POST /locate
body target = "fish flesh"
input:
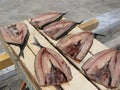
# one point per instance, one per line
(45, 19)
(60, 28)
(50, 68)
(16, 34)
(104, 68)
(76, 46)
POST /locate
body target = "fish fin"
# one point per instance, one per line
(37, 43)
(117, 47)
(58, 87)
(59, 18)
(64, 13)
(96, 34)
(22, 54)
(66, 32)
(80, 22)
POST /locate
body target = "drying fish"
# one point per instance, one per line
(50, 68)
(45, 19)
(104, 68)
(17, 34)
(58, 29)
(76, 46)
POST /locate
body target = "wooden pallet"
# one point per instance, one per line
(26, 64)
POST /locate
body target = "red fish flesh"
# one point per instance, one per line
(58, 29)
(77, 45)
(17, 34)
(46, 18)
(104, 68)
(50, 68)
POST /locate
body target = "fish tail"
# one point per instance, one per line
(21, 53)
(64, 13)
(96, 34)
(58, 87)
(80, 22)
(37, 43)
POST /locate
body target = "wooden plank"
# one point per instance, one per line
(5, 60)
(89, 25)
(27, 68)
(26, 75)
(77, 83)
(96, 47)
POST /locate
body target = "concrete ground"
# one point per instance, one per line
(12, 11)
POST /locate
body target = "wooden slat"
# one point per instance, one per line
(89, 25)
(5, 60)
(29, 67)
(79, 82)
(96, 47)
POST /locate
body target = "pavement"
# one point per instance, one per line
(12, 11)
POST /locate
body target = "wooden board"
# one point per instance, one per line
(96, 47)
(89, 25)
(5, 58)
(79, 82)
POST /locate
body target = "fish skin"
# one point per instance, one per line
(45, 19)
(50, 66)
(79, 43)
(110, 59)
(18, 34)
(58, 29)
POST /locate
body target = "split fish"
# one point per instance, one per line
(104, 68)
(50, 68)
(17, 34)
(45, 19)
(58, 29)
(76, 46)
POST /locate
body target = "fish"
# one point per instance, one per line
(50, 68)
(44, 19)
(76, 46)
(58, 29)
(16, 34)
(104, 68)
